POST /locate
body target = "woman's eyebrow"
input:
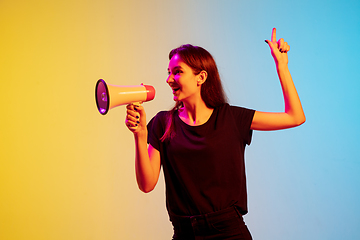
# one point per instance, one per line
(176, 68)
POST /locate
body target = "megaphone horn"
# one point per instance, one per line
(108, 96)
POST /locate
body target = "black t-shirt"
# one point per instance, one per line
(204, 166)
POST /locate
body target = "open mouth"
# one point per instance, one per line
(175, 90)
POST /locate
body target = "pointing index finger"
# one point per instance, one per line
(273, 35)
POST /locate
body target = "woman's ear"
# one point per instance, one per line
(202, 76)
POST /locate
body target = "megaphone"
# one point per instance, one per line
(108, 96)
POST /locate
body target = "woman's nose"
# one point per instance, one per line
(169, 78)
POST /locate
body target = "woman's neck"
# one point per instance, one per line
(195, 114)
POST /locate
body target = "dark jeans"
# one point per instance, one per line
(224, 224)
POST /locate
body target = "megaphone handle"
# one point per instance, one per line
(136, 104)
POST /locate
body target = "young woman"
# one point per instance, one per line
(200, 143)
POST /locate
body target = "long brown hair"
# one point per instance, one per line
(212, 92)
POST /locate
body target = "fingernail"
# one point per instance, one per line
(137, 116)
(266, 41)
(137, 121)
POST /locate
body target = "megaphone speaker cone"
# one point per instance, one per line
(102, 97)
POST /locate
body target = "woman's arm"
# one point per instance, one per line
(147, 159)
(293, 115)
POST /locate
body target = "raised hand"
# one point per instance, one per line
(278, 48)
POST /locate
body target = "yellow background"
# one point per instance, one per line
(66, 171)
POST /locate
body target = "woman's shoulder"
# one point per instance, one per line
(229, 107)
(233, 107)
(162, 115)
(234, 110)
(159, 119)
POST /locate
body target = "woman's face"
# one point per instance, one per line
(182, 80)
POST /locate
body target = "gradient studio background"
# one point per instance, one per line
(67, 172)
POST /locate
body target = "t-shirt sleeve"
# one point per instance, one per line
(156, 130)
(243, 118)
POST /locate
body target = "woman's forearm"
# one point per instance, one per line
(147, 169)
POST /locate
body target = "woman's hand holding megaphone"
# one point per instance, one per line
(136, 118)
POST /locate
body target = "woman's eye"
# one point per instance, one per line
(175, 72)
